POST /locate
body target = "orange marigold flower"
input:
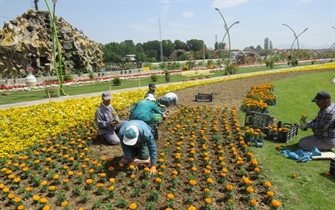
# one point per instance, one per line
(191, 208)
(294, 176)
(170, 196)
(253, 202)
(267, 184)
(275, 203)
(229, 187)
(64, 203)
(250, 190)
(192, 182)
(208, 200)
(270, 193)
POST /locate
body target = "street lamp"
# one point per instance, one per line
(295, 35)
(237, 22)
(227, 31)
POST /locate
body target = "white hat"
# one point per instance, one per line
(130, 135)
(150, 97)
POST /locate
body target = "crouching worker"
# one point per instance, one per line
(107, 120)
(147, 111)
(138, 144)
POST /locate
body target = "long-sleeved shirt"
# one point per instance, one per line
(324, 124)
(104, 117)
(144, 110)
(145, 137)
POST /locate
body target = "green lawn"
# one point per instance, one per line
(23, 96)
(312, 189)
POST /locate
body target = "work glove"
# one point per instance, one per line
(153, 170)
(304, 126)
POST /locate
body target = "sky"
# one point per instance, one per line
(106, 21)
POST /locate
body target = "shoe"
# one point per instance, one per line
(139, 161)
(124, 161)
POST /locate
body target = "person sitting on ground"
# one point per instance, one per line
(152, 91)
(323, 125)
(107, 120)
(138, 144)
(147, 111)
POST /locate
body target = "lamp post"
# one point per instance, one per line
(227, 31)
(295, 35)
(237, 22)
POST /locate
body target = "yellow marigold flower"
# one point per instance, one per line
(10, 196)
(158, 180)
(52, 188)
(257, 170)
(17, 200)
(110, 188)
(192, 208)
(210, 181)
(65, 180)
(275, 203)
(47, 207)
(133, 206)
(43, 200)
(44, 183)
(20, 207)
(70, 173)
(294, 176)
(36, 198)
(89, 181)
(28, 189)
(111, 180)
(170, 196)
(17, 180)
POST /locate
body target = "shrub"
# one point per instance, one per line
(116, 81)
(91, 75)
(154, 77)
(67, 77)
(167, 76)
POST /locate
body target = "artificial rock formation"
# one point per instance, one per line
(27, 41)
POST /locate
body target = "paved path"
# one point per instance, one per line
(62, 98)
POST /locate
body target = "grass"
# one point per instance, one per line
(25, 96)
(312, 189)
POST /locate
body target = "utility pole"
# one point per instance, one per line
(36, 4)
(160, 36)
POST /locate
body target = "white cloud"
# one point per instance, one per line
(187, 14)
(227, 3)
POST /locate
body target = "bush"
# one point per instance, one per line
(116, 81)
(167, 76)
(67, 77)
(154, 77)
(91, 75)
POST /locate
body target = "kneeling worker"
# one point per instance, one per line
(138, 144)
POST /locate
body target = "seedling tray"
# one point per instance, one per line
(204, 97)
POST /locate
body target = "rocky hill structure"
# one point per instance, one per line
(27, 41)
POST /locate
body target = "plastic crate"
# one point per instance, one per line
(285, 136)
(167, 102)
(204, 97)
(332, 167)
(258, 120)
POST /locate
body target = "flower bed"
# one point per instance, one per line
(203, 164)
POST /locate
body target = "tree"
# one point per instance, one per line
(266, 43)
